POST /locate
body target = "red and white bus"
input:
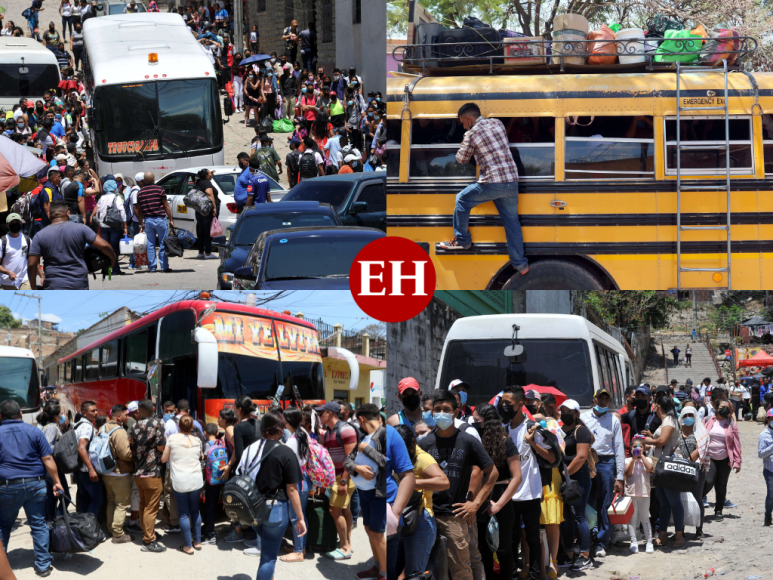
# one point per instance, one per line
(208, 352)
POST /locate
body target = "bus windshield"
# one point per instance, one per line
(19, 381)
(560, 363)
(158, 119)
(33, 83)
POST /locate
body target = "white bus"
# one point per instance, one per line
(27, 69)
(562, 351)
(19, 380)
(152, 93)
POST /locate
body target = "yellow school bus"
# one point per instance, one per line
(603, 204)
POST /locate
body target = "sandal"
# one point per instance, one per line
(292, 558)
(679, 542)
(337, 555)
(197, 547)
(182, 549)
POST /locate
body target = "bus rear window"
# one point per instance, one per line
(19, 381)
(37, 80)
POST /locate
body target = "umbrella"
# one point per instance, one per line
(560, 397)
(254, 58)
(15, 162)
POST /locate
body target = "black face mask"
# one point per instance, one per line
(724, 412)
(507, 412)
(567, 419)
(411, 402)
(15, 228)
(478, 426)
(531, 408)
(641, 404)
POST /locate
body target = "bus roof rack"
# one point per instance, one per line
(513, 56)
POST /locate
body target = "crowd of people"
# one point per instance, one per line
(532, 474)
(168, 466)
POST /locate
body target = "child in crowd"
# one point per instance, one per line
(637, 486)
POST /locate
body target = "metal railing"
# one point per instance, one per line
(350, 340)
(665, 358)
(713, 356)
(553, 53)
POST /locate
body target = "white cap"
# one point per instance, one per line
(133, 406)
(570, 404)
(139, 177)
(349, 158)
(61, 157)
(288, 66)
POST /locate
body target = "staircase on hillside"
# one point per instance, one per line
(702, 364)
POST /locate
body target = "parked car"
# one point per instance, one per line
(359, 198)
(115, 7)
(303, 258)
(263, 218)
(180, 182)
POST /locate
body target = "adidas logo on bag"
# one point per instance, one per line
(680, 468)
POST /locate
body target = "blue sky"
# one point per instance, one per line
(73, 309)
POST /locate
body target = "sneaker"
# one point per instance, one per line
(209, 540)
(153, 547)
(251, 543)
(650, 549)
(234, 537)
(705, 501)
(133, 527)
(453, 245)
(582, 563)
(568, 562)
(698, 533)
(123, 539)
(44, 573)
(718, 517)
(600, 552)
(367, 574)
(252, 552)
(730, 504)
(634, 548)
(172, 529)
(768, 522)
(167, 270)
(200, 257)
(211, 257)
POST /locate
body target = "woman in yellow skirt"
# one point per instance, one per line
(551, 518)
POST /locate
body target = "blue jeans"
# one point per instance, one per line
(190, 517)
(670, 503)
(134, 229)
(271, 533)
(574, 514)
(51, 499)
(505, 198)
(299, 544)
(768, 475)
(156, 226)
(414, 550)
(113, 237)
(91, 494)
(32, 497)
(66, 20)
(354, 505)
(605, 483)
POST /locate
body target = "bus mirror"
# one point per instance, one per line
(43, 380)
(208, 358)
(516, 354)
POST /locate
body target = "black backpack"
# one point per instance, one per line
(66, 451)
(242, 501)
(308, 165)
(228, 106)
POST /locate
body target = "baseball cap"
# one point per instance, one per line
(329, 406)
(295, 141)
(61, 157)
(770, 412)
(288, 66)
(601, 392)
(350, 158)
(133, 406)
(13, 216)
(662, 389)
(532, 395)
(643, 389)
(456, 382)
(407, 383)
(139, 177)
(570, 404)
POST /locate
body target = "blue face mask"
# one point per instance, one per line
(350, 103)
(168, 416)
(601, 410)
(463, 397)
(303, 90)
(444, 420)
(688, 421)
(61, 420)
(378, 99)
(370, 115)
(428, 418)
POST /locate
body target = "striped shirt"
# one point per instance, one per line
(151, 199)
(487, 141)
(765, 448)
(337, 452)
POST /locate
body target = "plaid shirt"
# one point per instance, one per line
(487, 141)
(765, 448)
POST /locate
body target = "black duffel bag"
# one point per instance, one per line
(74, 533)
(676, 474)
(173, 245)
(96, 261)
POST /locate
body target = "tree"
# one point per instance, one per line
(7, 319)
(725, 318)
(376, 331)
(628, 309)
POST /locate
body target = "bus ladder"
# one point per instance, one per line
(679, 187)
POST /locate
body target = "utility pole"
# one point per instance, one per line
(40, 323)
(238, 40)
(694, 309)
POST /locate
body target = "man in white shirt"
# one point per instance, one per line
(705, 390)
(611, 464)
(13, 256)
(89, 487)
(528, 498)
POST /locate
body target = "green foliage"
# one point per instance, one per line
(630, 309)
(6, 318)
(724, 318)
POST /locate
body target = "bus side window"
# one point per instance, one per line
(710, 132)
(76, 370)
(92, 365)
(394, 137)
(176, 329)
(532, 145)
(767, 143)
(109, 366)
(136, 353)
(434, 143)
(603, 369)
(67, 373)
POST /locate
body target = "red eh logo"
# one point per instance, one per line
(392, 279)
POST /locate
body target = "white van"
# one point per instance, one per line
(27, 69)
(562, 351)
(19, 380)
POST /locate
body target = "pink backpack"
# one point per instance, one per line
(319, 465)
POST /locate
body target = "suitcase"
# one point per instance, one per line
(461, 37)
(426, 36)
(321, 536)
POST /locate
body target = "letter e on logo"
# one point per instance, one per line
(392, 279)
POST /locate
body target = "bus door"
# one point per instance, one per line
(178, 381)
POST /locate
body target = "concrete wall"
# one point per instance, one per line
(362, 44)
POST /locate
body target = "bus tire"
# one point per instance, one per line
(554, 275)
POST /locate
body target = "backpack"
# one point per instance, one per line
(22, 206)
(319, 465)
(66, 451)
(308, 164)
(228, 106)
(217, 458)
(37, 206)
(27, 13)
(128, 206)
(113, 215)
(242, 501)
(100, 454)
(25, 246)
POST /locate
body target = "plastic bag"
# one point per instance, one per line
(692, 511)
(591, 516)
(615, 28)
(678, 41)
(602, 52)
(659, 24)
(141, 244)
(492, 534)
(283, 126)
(721, 42)
(216, 229)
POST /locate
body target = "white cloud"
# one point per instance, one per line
(16, 315)
(51, 318)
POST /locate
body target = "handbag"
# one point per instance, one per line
(412, 513)
(676, 474)
(113, 216)
(173, 246)
(74, 533)
(570, 489)
(215, 229)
